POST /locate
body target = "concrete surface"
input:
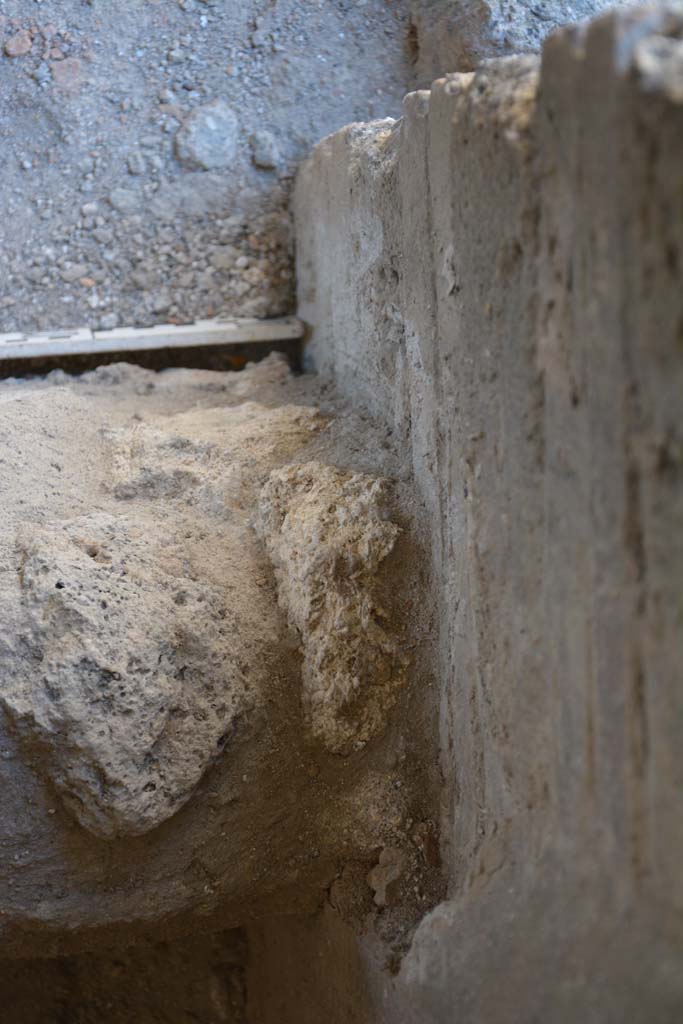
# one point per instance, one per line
(499, 276)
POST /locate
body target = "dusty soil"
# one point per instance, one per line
(118, 202)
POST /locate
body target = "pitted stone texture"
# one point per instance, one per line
(135, 634)
(156, 765)
(327, 535)
(127, 671)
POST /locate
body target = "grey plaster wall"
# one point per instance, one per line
(499, 275)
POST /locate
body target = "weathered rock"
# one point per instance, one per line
(155, 760)
(328, 536)
(264, 150)
(121, 671)
(19, 44)
(129, 673)
(385, 874)
(209, 139)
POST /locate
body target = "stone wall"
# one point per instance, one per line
(499, 276)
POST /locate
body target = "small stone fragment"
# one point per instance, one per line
(124, 200)
(160, 303)
(66, 73)
(259, 38)
(264, 150)
(224, 257)
(103, 235)
(19, 44)
(41, 74)
(209, 138)
(136, 164)
(384, 875)
(73, 273)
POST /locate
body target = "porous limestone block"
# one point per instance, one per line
(327, 535)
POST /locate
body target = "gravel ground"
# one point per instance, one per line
(149, 147)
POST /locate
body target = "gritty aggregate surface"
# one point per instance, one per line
(149, 148)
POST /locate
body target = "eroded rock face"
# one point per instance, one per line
(127, 672)
(124, 665)
(156, 708)
(327, 535)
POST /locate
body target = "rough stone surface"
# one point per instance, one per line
(127, 672)
(497, 279)
(209, 138)
(158, 766)
(498, 275)
(116, 659)
(327, 536)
